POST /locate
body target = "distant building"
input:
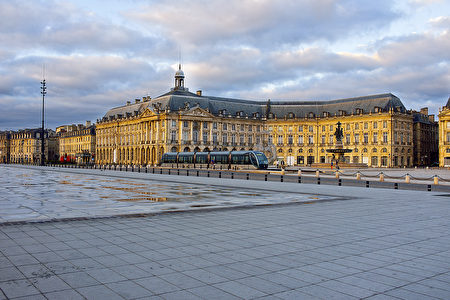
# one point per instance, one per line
(444, 135)
(77, 143)
(425, 139)
(5, 139)
(25, 146)
(377, 128)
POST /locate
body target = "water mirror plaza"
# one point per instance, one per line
(95, 234)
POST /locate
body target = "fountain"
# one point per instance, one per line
(338, 153)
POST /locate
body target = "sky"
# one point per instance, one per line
(96, 55)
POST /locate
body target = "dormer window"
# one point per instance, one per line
(291, 115)
(342, 112)
(271, 116)
(256, 115)
(311, 115)
(325, 114)
(377, 109)
(240, 113)
(359, 111)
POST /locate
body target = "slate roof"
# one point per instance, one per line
(176, 100)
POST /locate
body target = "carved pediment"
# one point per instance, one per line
(148, 113)
(197, 112)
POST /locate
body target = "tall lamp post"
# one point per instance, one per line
(43, 93)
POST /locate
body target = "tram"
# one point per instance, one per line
(223, 160)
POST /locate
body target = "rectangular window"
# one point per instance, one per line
(323, 139)
(280, 140)
(311, 128)
(214, 125)
(385, 137)
(258, 128)
(356, 126)
(375, 138)
(250, 128)
(356, 139)
(375, 125)
(224, 138)
(215, 137)
(311, 139)
(250, 140)
(233, 139)
(242, 127)
(323, 128)
(347, 138)
(331, 139)
(233, 126)
(174, 123)
(270, 139)
(185, 124)
(225, 126)
(366, 138)
(241, 139)
(300, 139)
(290, 139)
(205, 125)
(300, 128)
(366, 125)
(384, 124)
(173, 136)
(205, 137)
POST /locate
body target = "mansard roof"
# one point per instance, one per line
(176, 100)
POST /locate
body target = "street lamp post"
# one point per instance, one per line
(43, 93)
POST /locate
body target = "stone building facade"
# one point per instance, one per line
(77, 143)
(444, 135)
(25, 146)
(426, 138)
(5, 139)
(377, 128)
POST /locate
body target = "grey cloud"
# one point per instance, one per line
(264, 23)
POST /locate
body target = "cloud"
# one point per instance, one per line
(440, 22)
(263, 23)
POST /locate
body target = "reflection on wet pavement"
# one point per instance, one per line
(32, 194)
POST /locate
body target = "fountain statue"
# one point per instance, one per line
(338, 153)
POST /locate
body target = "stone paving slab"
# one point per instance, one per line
(377, 244)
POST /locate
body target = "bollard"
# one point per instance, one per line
(396, 185)
(187, 172)
(358, 176)
(299, 179)
(429, 187)
(208, 174)
(317, 173)
(178, 172)
(197, 173)
(381, 177)
(407, 178)
(299, 173)
(367, 184)
(153, 170)
(281, 178)
(160, 171)
(220, 174)
(339, 182)
(248, 176)
(169, 171)
(337, 174)
(232, 175)
(436, 180)
(318, 180)
(265, 177)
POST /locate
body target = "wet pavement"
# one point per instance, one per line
(32, 194)
(364, 244)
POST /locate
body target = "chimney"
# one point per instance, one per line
(424, 111)
(137, 100)
(199, 92)
(88, 123)
(128, 102)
